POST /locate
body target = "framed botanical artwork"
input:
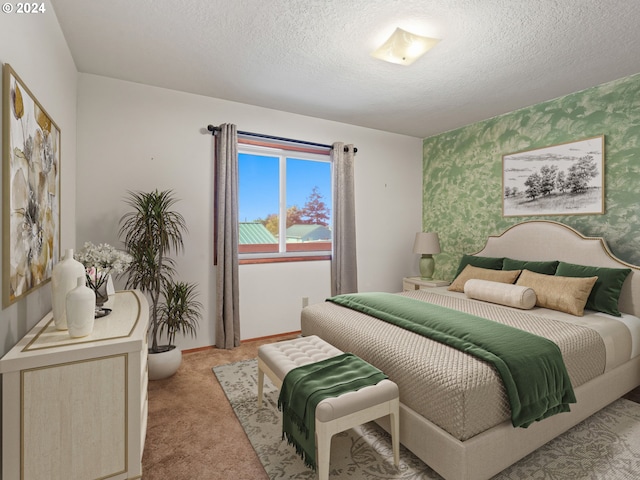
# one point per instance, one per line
(564, 179)
(30, 191)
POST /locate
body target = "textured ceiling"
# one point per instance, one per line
(312, 57)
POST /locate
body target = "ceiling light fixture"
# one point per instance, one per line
(404, 47)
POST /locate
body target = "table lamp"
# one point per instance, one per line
(426, 244)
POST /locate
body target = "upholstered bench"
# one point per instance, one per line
(333, 415)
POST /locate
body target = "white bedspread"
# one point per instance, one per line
(458, 393)
(621, 335)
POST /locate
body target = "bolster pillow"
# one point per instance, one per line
(517, 296)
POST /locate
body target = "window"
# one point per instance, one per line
(284, 204)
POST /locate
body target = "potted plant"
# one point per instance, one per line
(150, 233)
(180, 311)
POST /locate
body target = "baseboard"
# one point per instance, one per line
(268, 337)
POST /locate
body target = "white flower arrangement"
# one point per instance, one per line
(101, 261)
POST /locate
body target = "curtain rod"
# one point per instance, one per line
(213, 131)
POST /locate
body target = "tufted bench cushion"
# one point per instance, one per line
(337, 414)
(280, 357)
(365, 398)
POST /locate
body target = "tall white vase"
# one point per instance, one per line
(81, 309)
(63, 280)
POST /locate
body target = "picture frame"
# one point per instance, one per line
(30, 190)
(562, 179)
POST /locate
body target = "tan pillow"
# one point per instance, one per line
(565, 294)
(516, 296)
(469, 272)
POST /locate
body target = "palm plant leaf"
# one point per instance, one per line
(180, 310)
(150, 233)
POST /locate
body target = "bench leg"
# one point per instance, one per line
(394, 418)
(263, 369)
(324, 433)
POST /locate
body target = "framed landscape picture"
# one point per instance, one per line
(564, 179)
(30, 191)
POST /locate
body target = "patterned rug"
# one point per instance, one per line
(605, 446)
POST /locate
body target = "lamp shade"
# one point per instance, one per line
(404, 47)
(426, 243)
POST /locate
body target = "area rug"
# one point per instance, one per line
(606, 446)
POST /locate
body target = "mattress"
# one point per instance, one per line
(461, 394)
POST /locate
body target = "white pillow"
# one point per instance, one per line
(517, 296)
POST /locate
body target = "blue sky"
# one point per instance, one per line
(259, 184)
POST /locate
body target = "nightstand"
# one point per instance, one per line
(416, 283)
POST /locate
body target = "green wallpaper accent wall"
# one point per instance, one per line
(462, 170)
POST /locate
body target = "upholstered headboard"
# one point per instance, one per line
(541, 240)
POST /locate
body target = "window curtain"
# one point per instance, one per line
(226, 233)
(344, 272)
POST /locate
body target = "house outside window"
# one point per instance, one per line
(284, 204)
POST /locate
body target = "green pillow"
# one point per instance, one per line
(606, 291)
(546, 268)
(480, 262)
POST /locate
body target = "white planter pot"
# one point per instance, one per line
(164, 364)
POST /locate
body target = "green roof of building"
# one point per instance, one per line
(252, 233)
(309, 232)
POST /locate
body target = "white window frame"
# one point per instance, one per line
(282, 155)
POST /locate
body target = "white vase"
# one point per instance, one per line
(81, 309)
(63, 280)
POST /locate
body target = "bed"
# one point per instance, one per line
(454, 412)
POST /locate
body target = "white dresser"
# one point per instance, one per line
(76, 408)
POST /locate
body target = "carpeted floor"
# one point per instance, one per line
(192, 432)
(606, 446)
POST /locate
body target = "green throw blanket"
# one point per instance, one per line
(531, 367)
(306, 386)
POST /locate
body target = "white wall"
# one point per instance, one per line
(36, 49)
(136, 137)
